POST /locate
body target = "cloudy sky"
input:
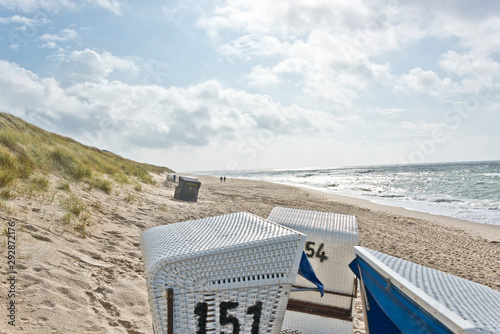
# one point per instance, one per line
(204, 85)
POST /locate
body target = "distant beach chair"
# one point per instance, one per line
(226, 274)
(188, 188)
(401, 296)
(170, 177)
(170, 180)
(330, 245)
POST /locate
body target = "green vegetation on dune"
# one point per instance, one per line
(27, 151)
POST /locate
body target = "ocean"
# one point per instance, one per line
(465, 190)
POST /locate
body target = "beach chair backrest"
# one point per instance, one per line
(331, 238)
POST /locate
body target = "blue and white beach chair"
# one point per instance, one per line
(403, 297)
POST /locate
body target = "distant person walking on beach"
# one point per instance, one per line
(221, 179)
(224, 179)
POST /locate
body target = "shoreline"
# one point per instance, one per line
(489, 232)
(439, 189)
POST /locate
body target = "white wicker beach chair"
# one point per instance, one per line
(403, 297)
(226, 274)
(330, 247)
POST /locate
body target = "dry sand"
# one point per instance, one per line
(69, 284)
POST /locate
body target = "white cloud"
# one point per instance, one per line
(63, 36)
(478, 27)
(47, 7)
(477, 75)
(282, 17)
(353, 26)
(23, 29)
(253, 45)
(50, 45)
(331, 46)
(111, 5)
(323, 46)
(18, 19)
(327, 72)
(262, 76)
(470, 64)
(22, 91)
(124, 117)
(424, 82)
(90, 66)
(388, 112)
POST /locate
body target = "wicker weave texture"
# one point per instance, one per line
(330, 245)
(303, 323)
(226, 271)
(474, 302)
(271, 301)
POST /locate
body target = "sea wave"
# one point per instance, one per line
(392, 196)
(445, 200)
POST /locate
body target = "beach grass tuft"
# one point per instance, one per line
(8, 167)
(85, 224)
(39, 182)
(100, 183)
(74, 205)
(6, 177)
(137, 186)
(64, 186)
(121, 178)
(6, 193)
(129, 198)
(5, 207)
(78, 217)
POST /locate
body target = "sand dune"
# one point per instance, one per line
(69, 284)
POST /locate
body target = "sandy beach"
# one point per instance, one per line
(69, 284)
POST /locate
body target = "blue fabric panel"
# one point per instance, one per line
(307, 271)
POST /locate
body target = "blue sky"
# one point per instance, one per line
(205, 85)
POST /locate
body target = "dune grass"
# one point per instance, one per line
(28, 154)
(30, 157)
(78, 217)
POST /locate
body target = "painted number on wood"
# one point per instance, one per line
(320, 253)
(225, 318)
